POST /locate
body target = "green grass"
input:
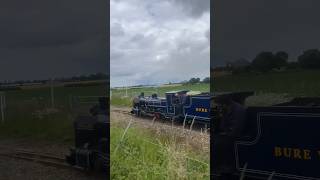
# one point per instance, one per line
(119, 99)
(144, 155)
(22, 121)
(294, 83)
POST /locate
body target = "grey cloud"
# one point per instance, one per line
(116, 29)
(39, 23)
(47, 62)
(207, 34)
(114, 54)
(167, 44)
(137, 37)
(41, 39)
(251, 26)
(194, 7)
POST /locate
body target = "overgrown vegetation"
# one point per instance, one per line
(278, 61)
(154, 153)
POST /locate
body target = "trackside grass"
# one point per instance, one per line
(154, 153)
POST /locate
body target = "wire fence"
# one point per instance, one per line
(129, 93)
(82, 100)
(3, 105)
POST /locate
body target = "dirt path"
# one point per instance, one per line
(16, 169)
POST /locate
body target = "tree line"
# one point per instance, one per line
(196, 80)
(89, 77)
(268, 61)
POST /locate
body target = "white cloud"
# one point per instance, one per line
(158, 41)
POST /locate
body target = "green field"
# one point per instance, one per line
(153, 153)
(29, 114)
(119, 95)
(294, 83)
(273, 87)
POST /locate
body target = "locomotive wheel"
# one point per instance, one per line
(157, 115)
(99, 162)
(138, 113)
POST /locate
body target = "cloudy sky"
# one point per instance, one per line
(41, 39)
(242, 29)
(156, 42)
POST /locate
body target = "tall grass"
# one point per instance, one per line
(153, 153)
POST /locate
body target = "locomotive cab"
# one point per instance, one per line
(230, 118)
(91, 138)
(175, 101)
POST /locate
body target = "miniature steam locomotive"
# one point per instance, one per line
(179, 105)
(279, 141)
(91, 139)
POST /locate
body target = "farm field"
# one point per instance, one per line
(293, 83)
(29, 114)
(271, 88)
(140, 150)
(122, 97)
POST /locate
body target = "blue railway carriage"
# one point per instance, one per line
(279, 141)
(180, 105)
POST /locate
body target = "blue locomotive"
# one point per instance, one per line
(178, 105)
(91, 150)
(279, 141)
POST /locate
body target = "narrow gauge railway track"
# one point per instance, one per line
(45, 159)
(121, 111)
(177, 126)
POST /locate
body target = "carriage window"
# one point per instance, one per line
(169, 99)
(185, 100)
(175, 100)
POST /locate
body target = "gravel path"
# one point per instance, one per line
(15, 169)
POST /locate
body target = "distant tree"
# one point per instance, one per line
(293, 65)
(263, 61)
(206, 80)
(280, 59)
(194, 80)
(184, 82)
(310, 59)
(239, 66)
(266, 61)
